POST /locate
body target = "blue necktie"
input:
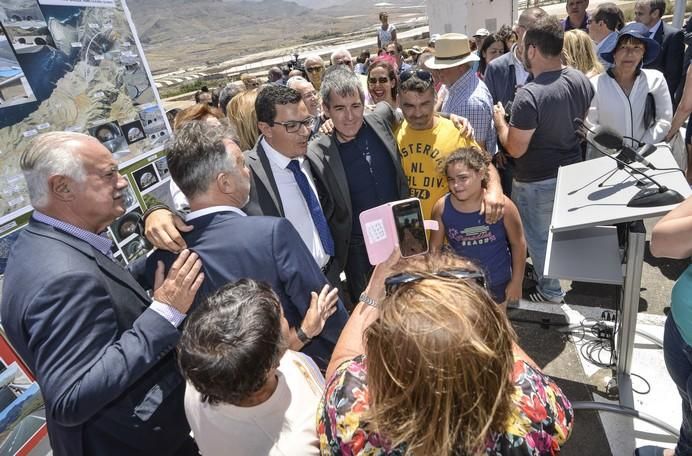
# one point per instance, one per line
(315, 209)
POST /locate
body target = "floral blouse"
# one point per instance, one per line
(542, 419)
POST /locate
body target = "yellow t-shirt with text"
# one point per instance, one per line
(422, 154)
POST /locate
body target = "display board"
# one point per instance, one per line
(73, 65)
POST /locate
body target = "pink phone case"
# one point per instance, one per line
(379, 231)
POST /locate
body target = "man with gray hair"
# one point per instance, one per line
(314, 67)
(100, 347)
(210, 170)
(310, 96)
(364, 155)
(342, 57)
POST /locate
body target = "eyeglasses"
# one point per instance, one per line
(293, 126)
(315, 69)
(381, 80)
(391, 283)
(423, 75)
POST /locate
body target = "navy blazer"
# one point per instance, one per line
(266, 200)
(670, 59)
(501, 78)
(103, 360)
(268, 249)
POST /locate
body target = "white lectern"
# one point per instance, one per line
(582, 245)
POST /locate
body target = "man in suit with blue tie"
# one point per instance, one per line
(669, 61)
(210, 170)
(291, 181)
(101, 349)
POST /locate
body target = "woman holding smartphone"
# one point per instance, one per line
(428, 365)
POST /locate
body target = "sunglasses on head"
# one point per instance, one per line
(381, 80)
(423, 75)
(391, 283)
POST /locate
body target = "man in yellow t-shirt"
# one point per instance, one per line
(425, 140)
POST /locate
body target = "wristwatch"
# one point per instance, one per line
(367, 300)
(304, 338)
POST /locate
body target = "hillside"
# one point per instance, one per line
(182, 33)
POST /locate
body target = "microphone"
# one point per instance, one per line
(609, 138)
(646, 197)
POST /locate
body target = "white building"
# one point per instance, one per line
(467, 16)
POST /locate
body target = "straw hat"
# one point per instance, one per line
(451, 49)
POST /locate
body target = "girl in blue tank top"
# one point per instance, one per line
(499, 248)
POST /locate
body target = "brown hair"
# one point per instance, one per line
(198, 111)
(439, 360)
(474, 158)
(242, 115)
(382, 62)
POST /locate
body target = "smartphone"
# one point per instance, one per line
(410, 227)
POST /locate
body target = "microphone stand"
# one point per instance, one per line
(647, 197)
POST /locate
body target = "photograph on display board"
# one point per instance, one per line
(14, 87)
(135, 248)
(110, 135)
(133, 131)
(162, 167)
(154, 125)
(80, 61)
(22, 413)
(145, 177)
(25, 25)
(127, 225)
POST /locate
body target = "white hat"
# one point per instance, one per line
(451, 49)
(481, 32)
(434, 37)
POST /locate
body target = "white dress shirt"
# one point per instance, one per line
(212, 209)
(296, 209)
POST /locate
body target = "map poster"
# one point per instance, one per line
(71, 65)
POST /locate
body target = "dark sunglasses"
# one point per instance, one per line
(382, 80)
(423, 75)
(315, 69)
(391, 283)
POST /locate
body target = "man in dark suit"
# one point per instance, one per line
(363, 155)
(101, 350)
(670, 59)
(290, 181)
(210, 170)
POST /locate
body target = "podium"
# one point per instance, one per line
(590, 198)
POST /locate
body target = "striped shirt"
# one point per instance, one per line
(469, 97)
(101, 243)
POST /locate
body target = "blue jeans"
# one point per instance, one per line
(534, 201)
(678, 356)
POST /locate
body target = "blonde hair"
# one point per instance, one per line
(241, 113)
(579, 52)
(439, 362)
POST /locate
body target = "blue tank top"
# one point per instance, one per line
(486, 244)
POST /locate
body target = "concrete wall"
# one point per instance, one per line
(467, 16)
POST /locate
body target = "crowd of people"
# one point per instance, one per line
(258, 324)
